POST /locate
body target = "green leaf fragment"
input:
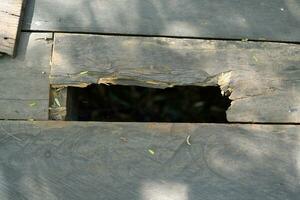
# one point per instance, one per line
(151, 151)
(32, 104)
(83, 73)
(254, 57)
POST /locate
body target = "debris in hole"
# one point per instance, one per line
(117, 103)
(57, 102)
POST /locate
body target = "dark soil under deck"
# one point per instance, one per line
(140, 104)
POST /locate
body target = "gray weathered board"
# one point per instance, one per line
(24, 80)
(10, 21)
(264, 78)
(255, 19)
(121, 161)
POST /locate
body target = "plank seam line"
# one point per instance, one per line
(162, 36)
(1, 99)
(264, 123)
(227, 123)
(24, 120)
(50, 70)
(52, 49)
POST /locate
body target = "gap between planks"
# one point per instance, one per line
(162, 36)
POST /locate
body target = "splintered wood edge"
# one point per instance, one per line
(59, 102)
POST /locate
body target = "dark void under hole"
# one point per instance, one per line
(141, 104)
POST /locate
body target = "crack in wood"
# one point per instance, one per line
(12, 14)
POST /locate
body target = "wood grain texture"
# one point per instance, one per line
(135, 161)
(10, 22)
(24, 80)
(256, 19)
(263, 78)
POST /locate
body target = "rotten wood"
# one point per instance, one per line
(114, 161)
(24, 80)
(261, 78)
(10, 23)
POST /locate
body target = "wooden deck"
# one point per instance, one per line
(256, 19)
(250, 49)
(24, 80)
(59, 160)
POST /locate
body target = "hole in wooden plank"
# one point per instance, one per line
(140, 104)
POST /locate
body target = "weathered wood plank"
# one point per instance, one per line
(255, 19)
(263, 78)
(24, 80)
(10, 22)
(59, 160)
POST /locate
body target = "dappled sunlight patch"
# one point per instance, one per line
(181, 28)
(164, 190)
